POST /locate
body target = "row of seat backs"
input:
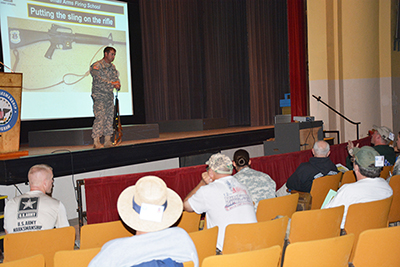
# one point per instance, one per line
(377, 247)
(372, 250)
(324, 223)
(349, 177)
(206, 239)
(321, 187)
(116, 229)
(259, 257)
(306, 225)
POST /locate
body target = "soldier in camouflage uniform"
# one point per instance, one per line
(105, 79)
(259, 184)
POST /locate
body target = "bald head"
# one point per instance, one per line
(41, 178)
(321, 149)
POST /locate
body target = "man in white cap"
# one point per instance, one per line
(224, 200)
(381, 138)
(150, 208)
(369, 186)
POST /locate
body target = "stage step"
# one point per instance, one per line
(82, 136)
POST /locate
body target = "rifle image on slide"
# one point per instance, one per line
(59, 37)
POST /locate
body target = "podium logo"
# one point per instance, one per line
(8, 111)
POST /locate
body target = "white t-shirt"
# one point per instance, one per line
(34, 211)
(225, 201)
(172, 243)
(365, 190)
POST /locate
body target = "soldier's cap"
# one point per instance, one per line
(220, 163)
(365, 156)
(385, 132)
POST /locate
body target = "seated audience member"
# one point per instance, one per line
(35, 210)
(259, 184)
(318, 166)
(224, 200)
(381, 139)
(396, 167)
(369, 186)
(150, 208)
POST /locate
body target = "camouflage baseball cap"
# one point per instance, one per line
(365, 156)
(220, 163)
(385, 132)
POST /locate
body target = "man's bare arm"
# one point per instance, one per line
(205, 179)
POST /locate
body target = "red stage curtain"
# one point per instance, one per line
(297, 57)
(102, 193)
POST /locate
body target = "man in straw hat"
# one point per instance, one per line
(369, 186)
(150, 208)
(224, 200)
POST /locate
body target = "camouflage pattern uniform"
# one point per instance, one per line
(259, 184)
(103, 74)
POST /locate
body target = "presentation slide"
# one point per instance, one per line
(53, 43)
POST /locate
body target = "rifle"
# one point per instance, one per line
(59, 37)
(117, 123)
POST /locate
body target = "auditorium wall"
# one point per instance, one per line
(352, 65)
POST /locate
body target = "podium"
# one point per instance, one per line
(294, 136)
(10, 111)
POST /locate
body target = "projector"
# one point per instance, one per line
(303, 118)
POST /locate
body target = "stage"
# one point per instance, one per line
(68, 160)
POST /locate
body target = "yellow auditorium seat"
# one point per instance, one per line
(320, 188)
(205, 242)
(46, 242)
(269, 208)
(394, 213)
(189, 221)
(75, 258)
(34, 261)
(255, 258)
(348, 178)
(378, 247)
(385, 171)
(253, 236)
(333, 251)
(365, 216)
(97, 234)
(315, 224)
(188, 264)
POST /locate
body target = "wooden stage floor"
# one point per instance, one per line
(35, 151)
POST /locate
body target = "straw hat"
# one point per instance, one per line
(149, 205)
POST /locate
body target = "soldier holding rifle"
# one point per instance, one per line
(105, 79)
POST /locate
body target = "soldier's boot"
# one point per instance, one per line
(96, 143)
(107, 141)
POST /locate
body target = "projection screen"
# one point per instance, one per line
(53, 43)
